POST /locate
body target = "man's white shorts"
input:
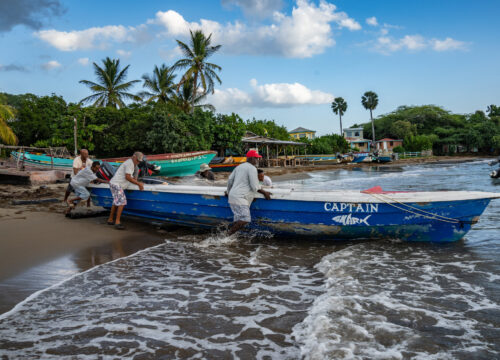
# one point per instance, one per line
(241, 212)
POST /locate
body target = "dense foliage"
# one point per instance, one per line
(427, 126)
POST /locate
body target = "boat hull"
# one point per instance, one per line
(320, 219)
(176, 164)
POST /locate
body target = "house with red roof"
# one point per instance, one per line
(388, 144)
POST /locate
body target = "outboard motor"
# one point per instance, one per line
(148, 169)
(106, 171)
(495, 174)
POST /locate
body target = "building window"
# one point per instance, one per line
(391, 143)
(302, 136)
(356, 134)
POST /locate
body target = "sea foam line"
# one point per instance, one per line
(19, 305)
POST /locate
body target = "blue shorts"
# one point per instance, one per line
(81, 192)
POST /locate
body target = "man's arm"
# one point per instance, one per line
(134, 181)
(230, 182)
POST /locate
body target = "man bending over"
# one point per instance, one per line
(242, 186)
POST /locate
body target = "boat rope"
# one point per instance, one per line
(422, 213)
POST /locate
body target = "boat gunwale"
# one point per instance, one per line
(338, 196)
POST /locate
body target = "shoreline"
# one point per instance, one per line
(39, 243)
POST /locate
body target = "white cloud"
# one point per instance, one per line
(124, 54)
(306, 32)
(372, 21)
(52, 64)
(83, 61)
(448, 44)
(269, 95)
(169, 54)
(256, 8)
(92, 38)
(387, 44)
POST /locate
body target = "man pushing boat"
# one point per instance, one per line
(242, 186)
(126, 174)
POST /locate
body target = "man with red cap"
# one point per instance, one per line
(242, 186)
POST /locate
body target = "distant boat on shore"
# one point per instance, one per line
(441, 216)
(174, 164)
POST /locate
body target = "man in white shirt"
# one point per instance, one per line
(79, 163)
(242, 186)
(80, 182)
(264, 179)
(125, 175)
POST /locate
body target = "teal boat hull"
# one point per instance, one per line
(182, 167)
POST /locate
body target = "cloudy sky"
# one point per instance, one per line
(281, 60)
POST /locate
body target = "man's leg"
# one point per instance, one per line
(72, 203)
(111, 218)
(119, 210)
(69, 189)
(237, 226)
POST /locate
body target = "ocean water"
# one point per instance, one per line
(205, 296)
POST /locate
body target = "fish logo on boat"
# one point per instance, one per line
(351, 220)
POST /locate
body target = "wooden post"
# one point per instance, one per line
(74, 136)
(51, 158)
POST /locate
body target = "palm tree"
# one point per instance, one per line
(186, 100)
(339, 106)
(7, 136)
(198, 69)
(111, 88)
(370, 102)
(161, 85)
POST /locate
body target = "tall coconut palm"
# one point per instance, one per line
(111, 88)
(195, 61)
(161, 85)
(7, 136)
(370, 102)
(186, 100)
(339, 106)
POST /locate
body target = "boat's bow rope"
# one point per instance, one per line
(410, 209)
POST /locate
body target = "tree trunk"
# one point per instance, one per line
(341, 133)
(373, 128)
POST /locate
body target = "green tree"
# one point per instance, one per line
(7, 136)
(160, 85)
(195, 61)
(401, 129)
(370, 102)
(493, 110)
(111, 88)
(267, 128)
(339, 106)
(187, 100)
(228, 131)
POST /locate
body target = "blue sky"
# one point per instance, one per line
(281, 60)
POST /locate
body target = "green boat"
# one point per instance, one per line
(175, 164)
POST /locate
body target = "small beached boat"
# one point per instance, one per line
(442, 216)
(42, 161)
(219, 164)
(175, 164)
(359, 157)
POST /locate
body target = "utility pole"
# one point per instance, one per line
(74, 136)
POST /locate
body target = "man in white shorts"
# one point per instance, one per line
(125, 175)
(80, 182)
(242, 186)
(80, 162)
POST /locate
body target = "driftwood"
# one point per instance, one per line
(36, 201)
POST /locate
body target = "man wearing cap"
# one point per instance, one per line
(205, 172)
(125, 175)
(242, 186)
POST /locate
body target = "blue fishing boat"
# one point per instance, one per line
(360, 157)
(443, 216)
